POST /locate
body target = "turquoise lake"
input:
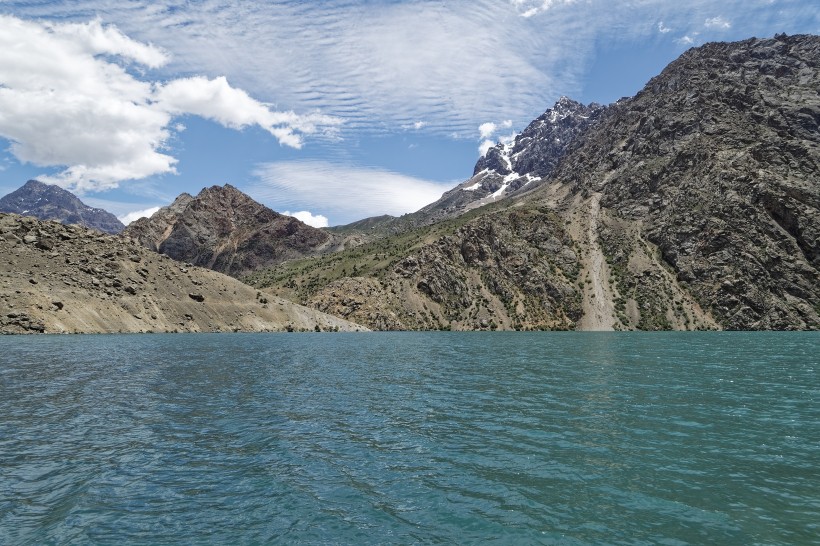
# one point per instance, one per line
(401, 438)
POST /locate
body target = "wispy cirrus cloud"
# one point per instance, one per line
(382, 66)
(339, 192)
(717, 23)
(69, 97)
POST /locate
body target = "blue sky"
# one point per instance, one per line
(337, 110)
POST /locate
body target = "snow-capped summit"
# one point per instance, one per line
(520, 163)
(537, 149)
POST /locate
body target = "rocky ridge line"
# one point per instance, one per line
(223, 229)
(49, 202)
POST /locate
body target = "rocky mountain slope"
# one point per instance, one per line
(68, 279)
(49, 202)
(694, 204)
(717, 163)
(503, 171)
(523, 163)
(225, 230)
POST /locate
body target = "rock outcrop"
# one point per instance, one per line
(225, 230)
(69, 279)
(693, 205)
(717, 161)
(49, 202)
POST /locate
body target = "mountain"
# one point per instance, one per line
(693, 205)
(49, 202)
(69, 279)
(521, 164)
(225, 230)
(503, 171)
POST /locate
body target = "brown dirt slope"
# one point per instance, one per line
(69, 279)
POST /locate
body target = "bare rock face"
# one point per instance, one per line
(718, 161)
(68, 279)
(521, 164)
(49, 202)
(225, 230)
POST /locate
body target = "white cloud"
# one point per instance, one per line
(216, 100)
(416, 125)
(343, 193)
(95, 39)
(137, 214)
(386, 64)
(484, 147)
(486, 130)
(685, 40)
(663, 29)
(375, 65)
(67, 100)
(317, 221)
(530, 8)
(717, 23)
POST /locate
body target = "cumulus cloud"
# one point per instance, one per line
(485, 146)
(343, 193)
(388, 64)
(95, 39)
(317, 220)
(137, 214)
(663, 29)
(486, 130)
(216, 100)
(68, 100)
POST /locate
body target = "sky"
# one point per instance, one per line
(332, 110)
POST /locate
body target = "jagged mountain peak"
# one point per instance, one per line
(224, 229)
(50, 202)
(520, 164)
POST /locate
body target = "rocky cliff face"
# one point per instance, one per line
(48, 202)
(68, 279)
(225, 230)
(694, 204)
(717, 161)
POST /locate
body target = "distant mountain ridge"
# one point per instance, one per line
(50, 202)
(224, 229)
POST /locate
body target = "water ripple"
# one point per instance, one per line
(406, 438)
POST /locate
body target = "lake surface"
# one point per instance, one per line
(544, 438)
